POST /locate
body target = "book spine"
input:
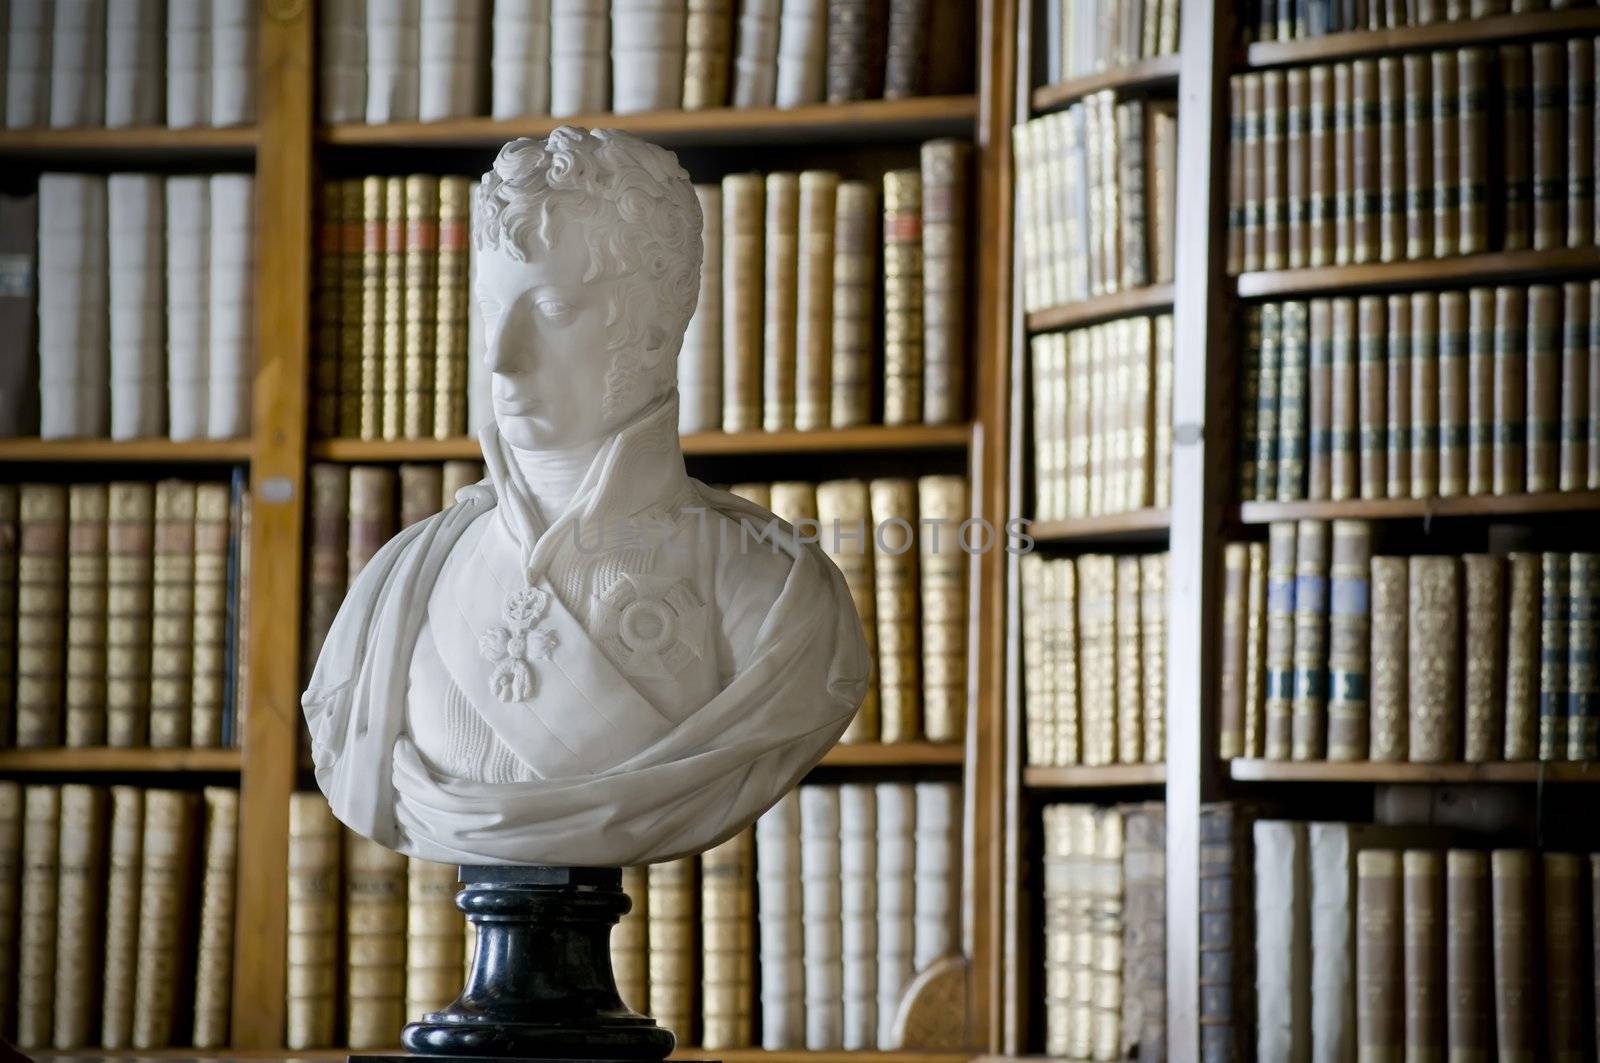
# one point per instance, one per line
(854, 284)
(728, 902)
(329, 553)
(781, 279)
(447, 401)
(1380, 969)
(1153, 652)
(420, 489)
(1389, 659)
(1580, 142)
(936, 895)
(1454, 392)
(906, 65)
(1309, 709)
(700, 362)
(1543, 432)
(942, 505)
(1468, 962)
(1297, 167)
(373, 308)
(209, 624)
(1036, 694)
(314, 918)
(946, 184)
(1391, 159)
(1236, 204)
(1254, 195)
(375, 942)
(821, 906)
(41, 613)
(1472, 190)
(1320, 176)
(1515, 941)
(172, 615)
(1516, 146)
(1425, 396)
(214, 963)
(1565, 984)
(1293, 390)
(1344, 186)
(1510, 390)
(1549, 105)
(1425, 942)
(1445, 95)
(777, 857)
(1255, 673)
(1593, 445)
(392, 376)
(1283, 943)
(40, 901)
(1126, 653)
(1398, 399)
(1343, 376)
(630, 941)
(80, 885)
(855, 42)
(124, 864)
(743, 208)
(10, 535)
(902, 297)
(1484, 686)
(858, 878)
(1365, 187)
(1162, 475)
(1577, 368)
(1435, 659)
(1555, 576)
(372, 515)
(1583, 652)
(164, 899)
(843, 511)
(896, 863)
(1348, 640)
(85, 681)
(1280, 647)
(1419, 130)
(893, 508)
(1268, 397)
(1319, 392)
(434, 936)
(1523, 629)
(1274, 184)
(813, 340)
(419, 342)
(1225, 932)
(1373, 399)
(708, 53)
(1481, 366)
(1097, 596)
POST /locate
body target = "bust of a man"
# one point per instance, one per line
(590, 658)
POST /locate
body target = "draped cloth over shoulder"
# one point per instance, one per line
(686, 788)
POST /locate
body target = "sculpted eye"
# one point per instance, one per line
(555, 310)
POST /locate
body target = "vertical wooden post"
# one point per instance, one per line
(277, 481)
(1200, 482)
(986, 745)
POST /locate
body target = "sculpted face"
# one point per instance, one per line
(546, 341)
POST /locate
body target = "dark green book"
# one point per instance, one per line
(1555, 587)
(1249, 399)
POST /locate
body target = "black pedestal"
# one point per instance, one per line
(541, 985)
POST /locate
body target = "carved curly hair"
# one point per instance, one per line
(640, 218)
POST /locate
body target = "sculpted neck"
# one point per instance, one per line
(554, 476)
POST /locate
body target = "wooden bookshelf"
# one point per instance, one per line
(1142, 524)
(894, 755)
(102, 760)
(1496, 30)
(1551, 502)
(1080, 777)
(731, 127)
(1154, 299)
(1500, 267)
(134, 144)
(1161, 72)
(1409, 773)
(119, 452)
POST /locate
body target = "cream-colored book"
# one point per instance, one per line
(858, 878)
(727, 897)
(9, 539)
(392, 326)
(10, 887)
(855, 277)
(210, 655)
(375, 942)
(1128, 653)
(743, 212)
(943, 506)
(845, 535)
(897, 819)
(129, 569)
(782, 954)
(938, 870)
(822, 912)
(41, 613)
(80, 897)
(458, 475)
(164, 904)
(86, 616)
(779, 308)
(819, 191)
(172, 615)
(700, 363)
(1153, 607)
(795, 501)
(213, 978)
(672, 946)
(630, 941)
(435, 929)
(902, 297)
(315, 841)
(126, 867)
(894, 519)
(36, 954)
(757, 494)
(946, 180)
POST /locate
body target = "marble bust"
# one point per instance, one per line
(589, 658)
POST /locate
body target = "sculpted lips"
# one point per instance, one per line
(517, 407)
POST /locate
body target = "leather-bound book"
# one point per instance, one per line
(1320, 169)
(448, 402)
(1253, 192)
(781, 957)
(845, 535)
(1516, 146)
(1309, 710)
(125, 863)
(80, 888)
(213, 983)
(1162, 153)
(1555, 574)
(1380, 959)
(727, 898)
(421, 485)
(352, 307)
(755, 64)
(1565, 982)
(1424, 394)
(1097, 640)
(1227, 1015)
(1268, 326)
(1106, 898)
(1297, 162)
(1060, 887)
(1453, 393)
(813, 333)
(902, 297)
(315, 908)
(1348, 640)
(1343, 403)
(856, 30)
(1417, 75)
(858, 878)
(1293, 390)
(85, 689)
(1235, 263)
(854, 284)
(1153, 653)
(937, 893)
(1319, 400)
(326, 318)
(1544, 388)
(172, 615)
(208, 681)
(1389, 659)
(1161, 473)
(41, 613)
(1280, 648)
(1371, 385)
(896, 863)
(419, 344)
(329, 553)
(1578, 371)
(1037, 677)
(396, 296)
(700, 361)
(1469, 966)
(942, 505)
(11, 864)
(893, 508)
(1398, 399)
(1365, 190)
(456, 476)
(1283, 940)
(1048, 358)
(129, 568)
(821, 906)
(1548, 94)
(372, 514)
(779, 304)
(708, 53)
(1392, 159)
(1583, 653)
(802, 47)
(1484, 685)
(1061, 604)
(9, 534)
(1128, 654)
(743, 211)
(1523, 625)
(1434, 674)
(1516, 942)
(1510, 389)
(1425, 942)
(905, 71)
(1446, 103)
(1580, 142)
(630, 940)
(1472, 181)
(1144, 932)
(1274, 178)
(1344, 187)
(165, 949)
(1255, 673)
(19, 280)
(434, 933)
(946, 188)
(1593, 442)
(374, 257)
(40, 902)
(374, 942)
(673, 971)
(1480, 390)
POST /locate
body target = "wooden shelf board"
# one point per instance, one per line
(1135, 523)
(1406, 772)
(1421, 508)
(148, 141)
(894, 754)
(866, 120)
(1152, 299)
(1498, 266)
(726, 1055)
(1498, 30)
(1081, 777)
(100, 759)
(200, 451)
(869, 438)
(1157, 72)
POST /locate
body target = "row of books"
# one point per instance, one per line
(1083, 37)
(1094, 659)
(1384, 160)
(405, 60)
(122, 612)
(1096, 188)
(1379, 942)
(1102, 418)
(1293, 20)
(849, 889)
(1422, 395)
(115, 63)
(1105, 933)
(1341, 655)
(116, 916)
(131, 312)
